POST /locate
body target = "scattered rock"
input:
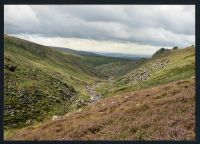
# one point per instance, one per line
(68, 114)
(55, 117)
(144, 73)
(7, 58)
(12, 68)
(147, 94)
(79, 110)
(28, 122)
(137, 104)
(161, 50)
(126, 97)
(80, 103)
(103, 104)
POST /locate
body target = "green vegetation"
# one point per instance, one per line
(40, 82)
(168, 66)
(117, 69)
(166, 112)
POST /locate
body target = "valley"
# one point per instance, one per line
(162, 112)
(98, 97)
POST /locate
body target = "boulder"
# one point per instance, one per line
(12, 68)
(28, 122)
(175, 48)
(147, 94)
(68, 114)
(55, 117)
(79, 110)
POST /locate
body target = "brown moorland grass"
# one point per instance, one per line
(165, 112)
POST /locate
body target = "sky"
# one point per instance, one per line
(131, 29)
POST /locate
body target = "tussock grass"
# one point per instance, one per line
(129, 116)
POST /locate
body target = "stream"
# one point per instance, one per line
(95, 96)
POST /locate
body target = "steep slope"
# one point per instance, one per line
(165, 112)
(36, 52)
(162, 68)
(40, 82)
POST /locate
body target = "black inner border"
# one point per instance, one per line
(108, 2)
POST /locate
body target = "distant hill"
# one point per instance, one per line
(91, 58)
(75, 52)
(112, 55)
(125, 56)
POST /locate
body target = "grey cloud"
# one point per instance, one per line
(152, 25)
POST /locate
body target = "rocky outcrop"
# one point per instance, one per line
(174, 48)
(160, 51)
(144, 72)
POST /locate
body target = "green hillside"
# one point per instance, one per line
(36, 83)
(41, 82)
(165, 67)
(90, 58)
(117, 69)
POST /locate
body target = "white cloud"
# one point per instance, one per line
(141, 25)
(19, 15)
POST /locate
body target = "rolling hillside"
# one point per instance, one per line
(124, 56)
(97, 97)
(40, 82)
(90, 58)
(165, 67)
(74, 52)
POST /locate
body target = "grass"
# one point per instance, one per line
(181, 66)
(40, 82)
(42, 85)
(47, 77)
(117, 69)
(130, 116)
